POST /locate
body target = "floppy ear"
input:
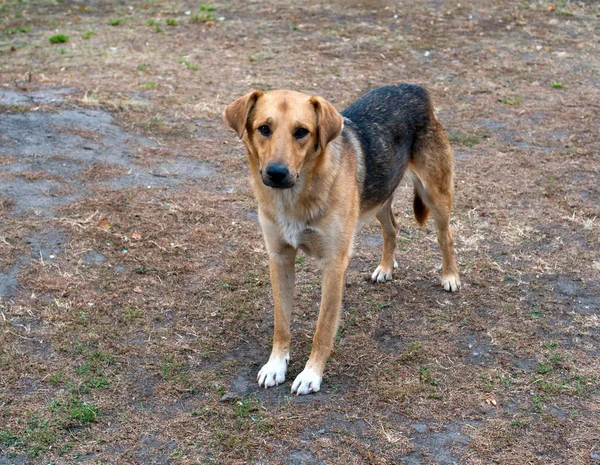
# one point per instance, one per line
(236, 113)
(329, 121)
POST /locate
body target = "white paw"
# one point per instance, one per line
(382, 274)
(395, 264)
(451, 282)
(306, 382)
(273, 373)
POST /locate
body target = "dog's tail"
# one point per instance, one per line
(421, 210)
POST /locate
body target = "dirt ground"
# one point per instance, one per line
(135, 306)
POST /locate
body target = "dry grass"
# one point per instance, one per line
(121, 347)
(101, 171)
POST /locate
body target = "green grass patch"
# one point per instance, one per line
(94, 373)
(171, 22)
(557, 85)
(537, 313)
(413, 353)
(36, 437)
(16, 30)
(188, 64)
(563, 11)
(202, 17)
(177, 452)
(518, 423)
(236, 428)
(554, 377)
(246, 407)
(74, 412)
(576, 385)
(8, 439)
(538, 403)
(559, 361)
(549, 345)
(36, 434)
(131, 314)
(15, 108)
(516, 100)
(114, 22)
(300, 259)
(87, 35)
(148, 85)
(469, 140)
(155, 24)
(172, 369)
(57, 378)
(544, 369)
(59, 39)
(426, 377)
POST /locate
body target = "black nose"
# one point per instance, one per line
(277, 173)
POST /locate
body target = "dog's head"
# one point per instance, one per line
(283, 131)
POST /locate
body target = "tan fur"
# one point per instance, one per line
(322, 211)
(432, 169)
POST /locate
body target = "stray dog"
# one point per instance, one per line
(317, 175)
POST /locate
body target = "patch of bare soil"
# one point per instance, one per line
(135, 304)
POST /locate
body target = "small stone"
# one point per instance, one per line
(228, 397)
(419, 427)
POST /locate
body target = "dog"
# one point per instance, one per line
(318, 175)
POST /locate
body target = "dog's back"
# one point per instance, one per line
(387, 122)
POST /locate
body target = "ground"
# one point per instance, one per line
(135, 306)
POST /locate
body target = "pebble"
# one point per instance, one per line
(419, 427)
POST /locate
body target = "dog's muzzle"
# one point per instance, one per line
(278, 176)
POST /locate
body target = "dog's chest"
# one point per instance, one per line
(292, 230)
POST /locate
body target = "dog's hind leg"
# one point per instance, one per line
(389, 229)
(432, 174)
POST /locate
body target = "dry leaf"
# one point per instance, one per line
(136, 236)
(104, 224)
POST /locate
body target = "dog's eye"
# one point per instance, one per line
(300, 133)
(264, 130)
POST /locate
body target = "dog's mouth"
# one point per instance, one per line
(278, 184)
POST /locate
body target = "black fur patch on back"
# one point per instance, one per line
(387, 121)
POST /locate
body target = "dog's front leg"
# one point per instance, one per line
(332, 289)
(282, 269)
